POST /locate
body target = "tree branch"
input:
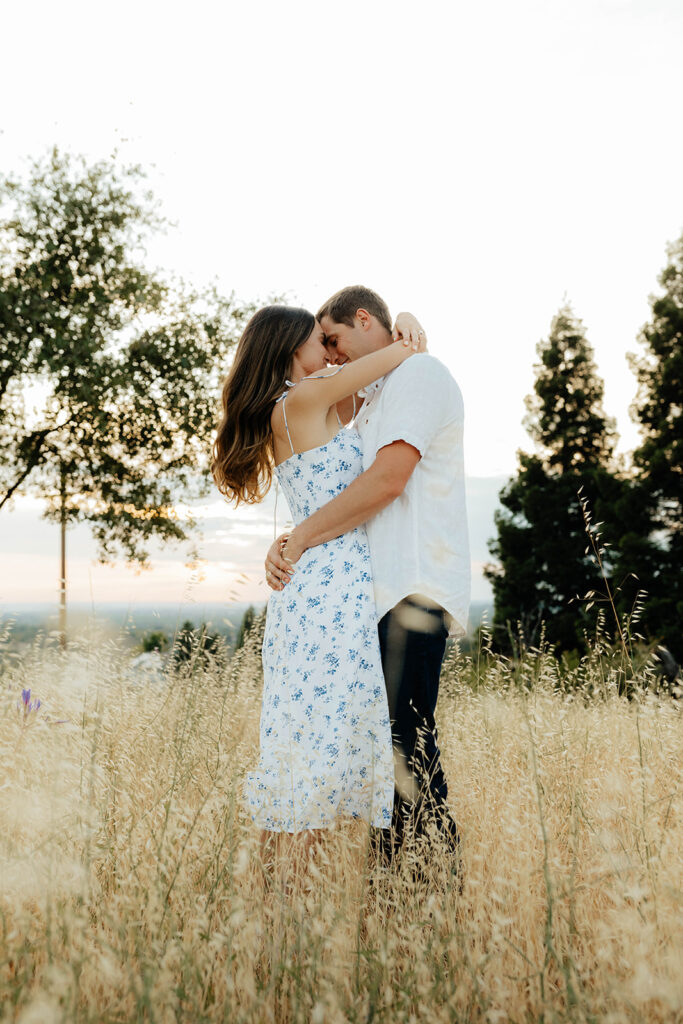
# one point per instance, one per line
(31, 464)
(5, 378)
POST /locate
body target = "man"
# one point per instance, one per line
(411, 497)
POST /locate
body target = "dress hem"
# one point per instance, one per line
(326, 826)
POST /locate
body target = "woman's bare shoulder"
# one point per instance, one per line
(277, 418)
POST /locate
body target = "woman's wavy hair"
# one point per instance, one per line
(242, 463)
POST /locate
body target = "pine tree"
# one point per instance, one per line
(565, 415)
(658, 461)
(156, 640)
(541, 542)
(194, 645)
(245, 626)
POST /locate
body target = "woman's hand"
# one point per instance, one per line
(410, 329)
(293, 548)
(278, 569)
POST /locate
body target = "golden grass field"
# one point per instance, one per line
(131, 886)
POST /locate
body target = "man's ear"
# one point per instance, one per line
(364, 318)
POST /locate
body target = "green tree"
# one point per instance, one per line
(154, 641)
(108, 375)
(657, 553)
(194, 645)
(541, 539)
(565, 416)
(245, 626)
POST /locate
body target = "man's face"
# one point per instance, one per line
(344, 343)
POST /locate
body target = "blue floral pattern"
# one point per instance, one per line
(325, 735)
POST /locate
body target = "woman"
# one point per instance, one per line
(326, 751)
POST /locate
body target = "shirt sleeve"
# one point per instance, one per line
(418, 399)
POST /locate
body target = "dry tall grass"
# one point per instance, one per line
(130, 887)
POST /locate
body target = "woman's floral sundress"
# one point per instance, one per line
(325, 737)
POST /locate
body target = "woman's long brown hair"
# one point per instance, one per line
(242, 464)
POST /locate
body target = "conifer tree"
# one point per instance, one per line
(541, 543)
(245, 626)
(657, 555)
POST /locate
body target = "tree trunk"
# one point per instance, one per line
(62, 573)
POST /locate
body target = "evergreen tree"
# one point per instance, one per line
(657, 554)
(245, 626)
(195, 645)
(541, 542)
(154, 641)
(564, 414)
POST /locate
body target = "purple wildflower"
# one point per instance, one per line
(27, 704)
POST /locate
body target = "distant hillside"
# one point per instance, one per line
(479, 609)
(129, 623)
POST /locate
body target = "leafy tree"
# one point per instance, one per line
(108, 376)
(541, 541)
(657, 553)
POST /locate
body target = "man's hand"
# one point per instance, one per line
(278, 569)
(410, 329)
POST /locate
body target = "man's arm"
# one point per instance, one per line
(367, 495)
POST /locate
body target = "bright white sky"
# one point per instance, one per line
(472, 162)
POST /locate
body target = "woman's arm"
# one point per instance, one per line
(333, 384)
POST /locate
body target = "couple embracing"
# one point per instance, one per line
(364, 432)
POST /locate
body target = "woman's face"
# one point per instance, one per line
(311, 356)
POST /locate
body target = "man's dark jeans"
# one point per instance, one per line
(412, 639)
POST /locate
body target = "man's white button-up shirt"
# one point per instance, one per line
(419, 543)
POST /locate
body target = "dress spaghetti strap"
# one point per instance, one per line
(353, 417)
(283, 399)
(284, 413)
(291, 384)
